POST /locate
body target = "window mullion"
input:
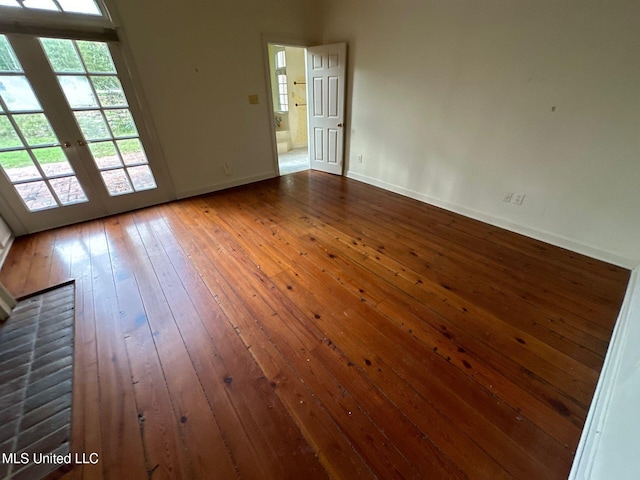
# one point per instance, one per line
(58, 6)
(25, 144)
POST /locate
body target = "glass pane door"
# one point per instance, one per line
(70, 148)
(31, 156)
(87, 75)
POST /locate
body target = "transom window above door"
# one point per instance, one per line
(86, 7)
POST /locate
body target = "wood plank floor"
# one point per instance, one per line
(312, 326)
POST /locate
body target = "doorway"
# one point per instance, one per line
(308, 101)
(289, 98)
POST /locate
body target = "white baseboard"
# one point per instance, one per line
(222, 186)
(608, 445)
(546, 237)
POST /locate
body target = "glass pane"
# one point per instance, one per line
(92, 125)
(36, 195)
(8, 136)
(19, 166)
(17, 94)
(105, 155)
(62, 55)
(9, 3)
(96, 57)
(80, 6)
(116, 182)
(132, 151)
(78, 91)
(121, 123)
(52, 161)
(68, 190)
(142, 177)
(40, 4)
(109, 91)
(8, 60)
(35, 129)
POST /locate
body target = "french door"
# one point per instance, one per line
(70, 149)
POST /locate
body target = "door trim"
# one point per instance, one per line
(139, 106)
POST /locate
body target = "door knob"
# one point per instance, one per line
(66, 144)
(82, 143)
(340, 125)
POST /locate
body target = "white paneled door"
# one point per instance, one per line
(70, 149)
(326, 71)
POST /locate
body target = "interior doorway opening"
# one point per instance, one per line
(289, 97)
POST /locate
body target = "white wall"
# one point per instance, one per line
(197, 63)
(452, 102)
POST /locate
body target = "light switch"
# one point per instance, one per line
(253, 99)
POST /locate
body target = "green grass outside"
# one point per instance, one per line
(40, 133)
(64, 56)
(18, 159)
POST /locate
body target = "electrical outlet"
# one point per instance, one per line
(227, 169)
(507, 197)
(518, 198)
(360, 158)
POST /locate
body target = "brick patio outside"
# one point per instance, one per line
(37, 195)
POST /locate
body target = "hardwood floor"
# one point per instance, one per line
(312, 326)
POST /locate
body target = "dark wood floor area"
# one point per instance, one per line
(312, 326)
